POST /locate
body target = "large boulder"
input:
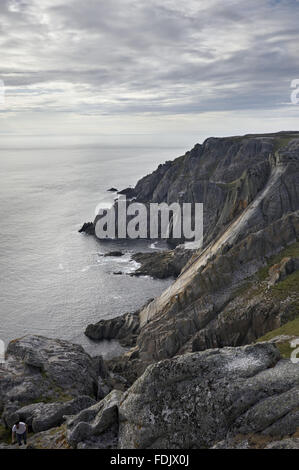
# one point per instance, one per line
(42, 416)
(97, 425)
(54, 438)
(39, 369)
(198, 399)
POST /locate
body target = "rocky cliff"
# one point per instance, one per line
(197, 374)
(222, 295)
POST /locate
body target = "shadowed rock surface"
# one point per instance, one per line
(161, 265)
(42, 416)
(125, 328)
(97, 425)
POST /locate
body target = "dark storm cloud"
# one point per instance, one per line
(148, 56)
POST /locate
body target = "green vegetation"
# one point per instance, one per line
(291, 329)
(291, 251)
(283, 140)
(243, 289)
(59, 397)
(286, 287)
(5, 435)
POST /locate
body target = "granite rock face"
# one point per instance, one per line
(197, 400)
(96, 425)
(42, 369)
(43, 416)
(54, 438)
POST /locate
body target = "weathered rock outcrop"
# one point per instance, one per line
(96, 426)
(54, 438)
(114, 253)
(42, 416)
(196, 400)
(281, 270)
(125, 328)
(42, 369)
(162, 264)
(224, 398)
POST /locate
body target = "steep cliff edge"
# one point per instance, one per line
(225, 174)
(249, 187)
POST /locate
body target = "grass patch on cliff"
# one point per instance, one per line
(282, 141)
(59, 397)
(287, 287)
(5, 435)
(289, 251)
(291, 329)
(242, 290)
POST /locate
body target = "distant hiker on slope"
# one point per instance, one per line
(19, 430)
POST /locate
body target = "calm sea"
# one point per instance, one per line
(52, 280)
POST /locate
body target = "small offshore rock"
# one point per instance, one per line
(87, 227)
(115, 253)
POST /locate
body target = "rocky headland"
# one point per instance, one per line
(208, 362)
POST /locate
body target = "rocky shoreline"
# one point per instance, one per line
(202, 354)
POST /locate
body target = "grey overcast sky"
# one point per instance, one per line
(167, 70)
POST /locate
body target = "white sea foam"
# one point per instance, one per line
(153, 246)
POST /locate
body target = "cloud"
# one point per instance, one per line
(128, 57)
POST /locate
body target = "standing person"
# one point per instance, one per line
(20, 430)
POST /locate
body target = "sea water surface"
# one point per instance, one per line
(53, 280)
